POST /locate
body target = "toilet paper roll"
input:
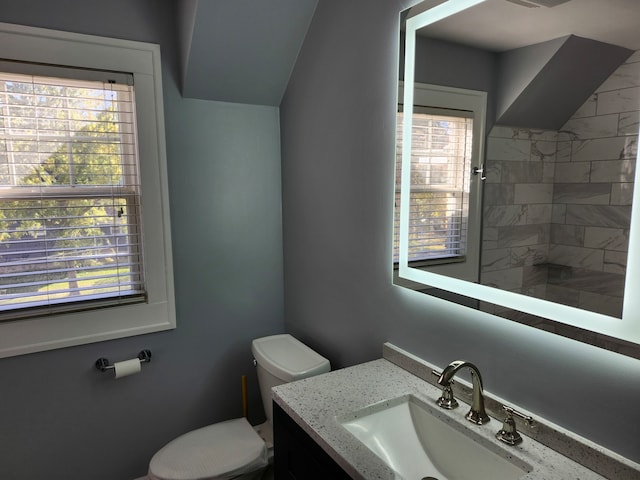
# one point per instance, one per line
(127, 367)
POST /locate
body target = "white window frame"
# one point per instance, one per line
(457, 183)
(456, 99)
(142, 60)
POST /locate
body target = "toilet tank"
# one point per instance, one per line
(282, 359)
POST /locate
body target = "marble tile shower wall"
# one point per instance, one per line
(557, 204)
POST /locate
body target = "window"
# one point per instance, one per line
(82, 157)
(69, 194)
(442, 217)
(439, 197)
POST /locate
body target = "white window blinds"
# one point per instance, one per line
(440, 182)
(69, 194)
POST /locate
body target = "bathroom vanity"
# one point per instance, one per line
(311, 440)
(299, 456)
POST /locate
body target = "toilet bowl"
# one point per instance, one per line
(234, 449)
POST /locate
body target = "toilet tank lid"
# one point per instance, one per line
(288, 358)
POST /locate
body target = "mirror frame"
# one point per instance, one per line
(620, 335)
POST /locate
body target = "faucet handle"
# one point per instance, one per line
(438, 374)
(508, 433)
(446, 400)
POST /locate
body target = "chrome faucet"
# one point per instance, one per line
(477, 414)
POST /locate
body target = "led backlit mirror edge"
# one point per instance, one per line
(583, 320)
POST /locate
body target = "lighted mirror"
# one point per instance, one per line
(517, 142)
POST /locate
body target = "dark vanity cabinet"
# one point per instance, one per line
(297, 456)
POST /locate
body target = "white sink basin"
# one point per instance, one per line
(419, 442)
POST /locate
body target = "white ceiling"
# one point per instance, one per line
(499, 25)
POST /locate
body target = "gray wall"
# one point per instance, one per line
(439, 62)
(60, 418)
(454, 65)
(337, 128)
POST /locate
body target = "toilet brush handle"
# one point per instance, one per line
(245, 403)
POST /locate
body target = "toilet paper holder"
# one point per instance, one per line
(103, 364)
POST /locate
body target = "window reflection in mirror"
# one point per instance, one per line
(443, 218)
(440, 171)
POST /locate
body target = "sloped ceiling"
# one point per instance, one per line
(552, 54)
(240, 51)
(543, 85)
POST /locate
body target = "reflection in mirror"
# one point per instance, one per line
(444, 194)
(558, 170)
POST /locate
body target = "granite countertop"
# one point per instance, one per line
(315, 404)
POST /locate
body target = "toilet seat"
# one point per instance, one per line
(221, 451)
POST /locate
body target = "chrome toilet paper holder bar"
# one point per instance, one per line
(103, 364)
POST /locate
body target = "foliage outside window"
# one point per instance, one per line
(69, 194)
(440, 182)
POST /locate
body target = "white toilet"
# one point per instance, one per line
(234, 449)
